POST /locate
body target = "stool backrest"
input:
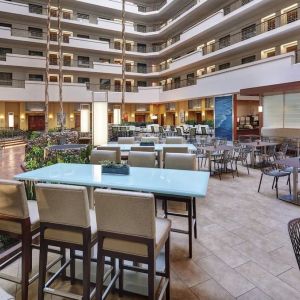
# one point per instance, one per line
(97, 156)
(112, 148)
(174, 140)
(180, 161)
(127, 213)
(126, 140)
(63, 204)
(13, 200)
(142, 159)
(171, 149)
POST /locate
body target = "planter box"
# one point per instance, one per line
(124, 170)
(147, 144)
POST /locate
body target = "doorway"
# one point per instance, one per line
(140, 118)
(36, 123)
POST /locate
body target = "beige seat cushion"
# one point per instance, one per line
(15, 227)
(72, 236)
(163, 227)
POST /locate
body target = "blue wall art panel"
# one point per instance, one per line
(224, 117)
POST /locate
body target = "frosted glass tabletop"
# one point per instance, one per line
(160, 181)
(158, 147)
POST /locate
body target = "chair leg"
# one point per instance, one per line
(167, 267)
(290, 189)
(276, 186)
(121, 277)
(261, 177)
(190, 228)
(195, 218)
(165, 202)
(72, 266)
(100, 271)
(42, 269)
(273, 184)
(151, 279)
(26, 251)
(86, 271)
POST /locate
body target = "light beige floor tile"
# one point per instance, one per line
(227, 277)
(255, 294)
(269, 284)
(292, 278)
(211, 290)
(262, 258)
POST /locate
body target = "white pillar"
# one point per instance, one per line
(100, 122)
(85, 118)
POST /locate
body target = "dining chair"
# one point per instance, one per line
(174, 140)
(294, 232)
(65, 221)
(174, 149)
(153, 139)
(112, 148)
(182, 161)
(142, 159)
(128, 230)
(126, 140)
(98, 156)
(19, 219)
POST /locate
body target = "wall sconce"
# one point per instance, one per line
(165, 115)
(71, 117)
(203, 114)
(22, 117)
(50, 117)
(260, 108)
(132, 115)
(154, 117)
(186, 114)
(176, 115)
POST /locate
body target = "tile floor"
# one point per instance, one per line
(243, 249)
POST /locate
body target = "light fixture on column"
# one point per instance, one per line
(260, 108)
(85, 118)
(117, 116)
(154, 117)
(100, 121)
(11, 120)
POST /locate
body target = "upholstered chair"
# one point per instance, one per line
(65, 221)
(112, 148)
(171, 149)
(180, 161)
(97, 156)
(126, 140)
(19, 219)
(174, 140)
(128, 230)
(142, 159)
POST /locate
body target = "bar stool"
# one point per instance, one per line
(142, 159)
(128, 230)
(19, 219)
(65, 221)
(182, 161)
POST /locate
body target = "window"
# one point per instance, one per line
(67, 60)
(117, 45)
(141, 28)
(36, 33)
(67, 79)
(83, 36)
(224, 41)
(141, 48)
(176, 82)
(35, 9)
(5, 25)
(128, 47)
(190, 78)
(53, 78)
(54, 36)
(83, 61)
(142, 68)
(104, 40)
(271, 24)
(248, 59)
(248, 32)
(224, 66)
(156, 47)
(142, 83)
(105, 84)
(117, 86)
(292, 16)
(3, 52)
(128, 87)
(66, 37)
(53, 59)
(35, 77)
(291, 48)
(128, 67)
(83, 17)
(5, 78)
(54, 12)
(35, 53)
(67, 14)
(85, 81)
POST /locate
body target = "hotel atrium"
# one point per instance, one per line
(149, 149)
